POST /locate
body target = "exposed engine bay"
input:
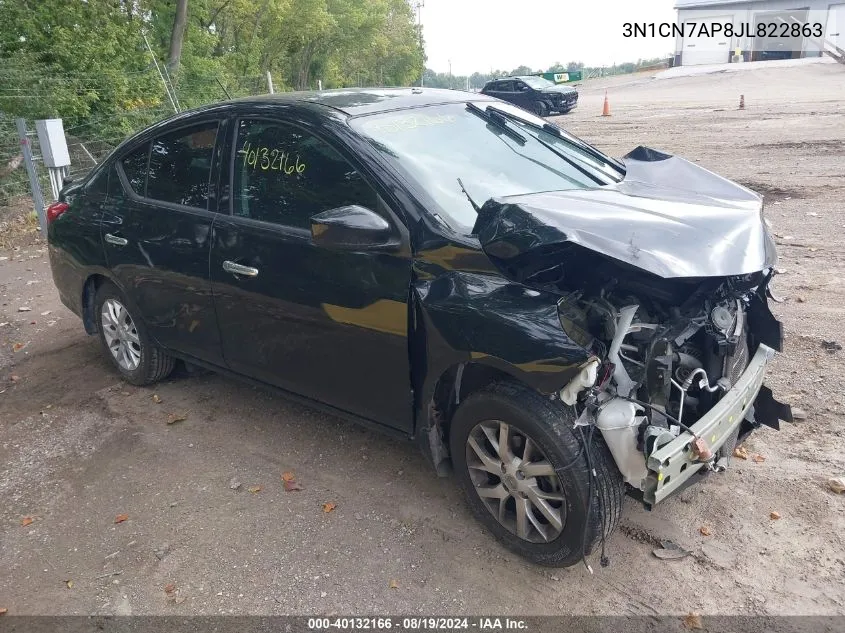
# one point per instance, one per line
(659, 367)
(663, 279)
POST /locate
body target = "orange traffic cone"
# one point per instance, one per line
(605, 111)
(742, 102)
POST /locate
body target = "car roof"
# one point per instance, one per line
(356, 101)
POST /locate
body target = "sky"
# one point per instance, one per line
(480, 35)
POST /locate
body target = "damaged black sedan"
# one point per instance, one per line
(554, 326)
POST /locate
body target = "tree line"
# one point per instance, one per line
(78, 60)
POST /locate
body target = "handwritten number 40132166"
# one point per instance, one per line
(271, 159)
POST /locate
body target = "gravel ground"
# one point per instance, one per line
(78, 447)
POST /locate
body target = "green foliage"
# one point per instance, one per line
(86, 60)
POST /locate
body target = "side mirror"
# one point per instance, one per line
(351, 228)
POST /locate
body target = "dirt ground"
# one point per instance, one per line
(78, 447)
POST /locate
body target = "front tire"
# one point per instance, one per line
(541, 109)
(524, 470)
(125, 340)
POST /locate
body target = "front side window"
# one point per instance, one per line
(436, 145)
(135, 167)
(285, 175)
(180, 166)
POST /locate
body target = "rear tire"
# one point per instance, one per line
(125, 339)
(547, 490)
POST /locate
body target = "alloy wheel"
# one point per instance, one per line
(516, 481)
(120, 334)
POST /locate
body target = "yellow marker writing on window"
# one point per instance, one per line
(268, 159)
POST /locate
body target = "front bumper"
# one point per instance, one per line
(673, 464)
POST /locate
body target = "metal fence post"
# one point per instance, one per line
(37, 196)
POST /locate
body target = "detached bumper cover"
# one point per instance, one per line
(672, 465)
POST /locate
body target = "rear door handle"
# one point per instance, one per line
(238, 269)
(114, 239)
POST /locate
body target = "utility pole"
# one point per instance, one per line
(417, 6)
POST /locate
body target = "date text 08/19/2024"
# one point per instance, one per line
(417, 623)
(714, 29)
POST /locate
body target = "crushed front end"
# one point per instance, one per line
(677, 385)
(664, 279)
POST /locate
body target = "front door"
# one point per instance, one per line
(328, 325)
(156, 232)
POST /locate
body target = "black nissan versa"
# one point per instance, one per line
(553, 325)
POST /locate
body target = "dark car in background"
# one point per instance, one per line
(535, 94)
(552, 325)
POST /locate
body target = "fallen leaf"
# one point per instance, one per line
(69, 584)
(287, 476)
(291, 486)
(704, 530)
(120, 518)
(774, 516)
(18, 347)
(693, 621)
(758, 459)
(255, 489)
(393, 584)
(3, 611)
(837, 484)
(26, 521)
(169, 588)
(329, 506)
(156, 398)
(177, 417)
(14, 378)
(741, 452)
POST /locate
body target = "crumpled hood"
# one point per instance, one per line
(668, 216)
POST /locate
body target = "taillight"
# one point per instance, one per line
(55, 210)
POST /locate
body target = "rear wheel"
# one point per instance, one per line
(126, 342)
(525, 473)
(541, 109)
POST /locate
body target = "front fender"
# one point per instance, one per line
(481, 318)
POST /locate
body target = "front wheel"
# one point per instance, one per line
(541, 109)
(126, 342)
(524, 470)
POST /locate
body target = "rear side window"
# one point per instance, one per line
(135, 167)
(285, 175)
(180, 166)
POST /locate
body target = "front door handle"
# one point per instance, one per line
(114, 239)
(239, 269)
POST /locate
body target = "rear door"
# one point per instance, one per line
(157, 233)
(328, 325)
(505, 91)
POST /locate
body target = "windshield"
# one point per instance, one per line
(538, 83)
(573, 146)
(437, 145)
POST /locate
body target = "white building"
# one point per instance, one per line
(776, 16)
